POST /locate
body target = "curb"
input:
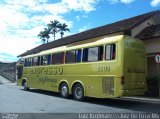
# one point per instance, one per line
(142, 99)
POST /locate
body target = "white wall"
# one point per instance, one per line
(152, 45)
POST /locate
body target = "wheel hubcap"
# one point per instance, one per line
(78, 92)
(64, 90)
(25, 85)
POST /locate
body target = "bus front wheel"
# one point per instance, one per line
(78, 92)
(64, 91)
(25, 85)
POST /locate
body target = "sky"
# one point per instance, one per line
(22, 20)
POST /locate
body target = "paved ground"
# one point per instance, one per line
(15, 100)
(3, 80)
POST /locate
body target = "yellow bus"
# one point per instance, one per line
(106, 68)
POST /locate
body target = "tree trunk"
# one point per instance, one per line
(61, 34)
(54, 36)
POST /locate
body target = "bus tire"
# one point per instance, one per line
(25, 85)
(64, 90)
(78, 92)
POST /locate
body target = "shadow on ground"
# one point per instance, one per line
(116, 103)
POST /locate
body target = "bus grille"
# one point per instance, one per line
(108, 85)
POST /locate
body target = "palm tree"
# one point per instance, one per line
(44, 35)
(63, 28)
(53, 26)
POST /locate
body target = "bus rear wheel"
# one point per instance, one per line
(64, 91)
(78, 92)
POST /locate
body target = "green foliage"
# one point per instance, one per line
(63, 28)
(44, 35)
(53, 28)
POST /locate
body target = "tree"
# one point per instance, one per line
(54, 27)
(63, 28)
(44, 35)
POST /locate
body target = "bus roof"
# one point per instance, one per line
(70, 47)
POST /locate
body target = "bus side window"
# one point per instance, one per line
(93, 54)
(63, 58)
(78, 54)
(44, 60)
(58, 58)
(41, 60)
(110, 52)
(26, 62)
(49, 59)
(29, 62)
(34, 61)
(70, 56)
(38, 62)
(53, 59)
(100, 53)
(85, 55)
(73, 56)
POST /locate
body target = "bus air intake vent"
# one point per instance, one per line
(108, 85)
